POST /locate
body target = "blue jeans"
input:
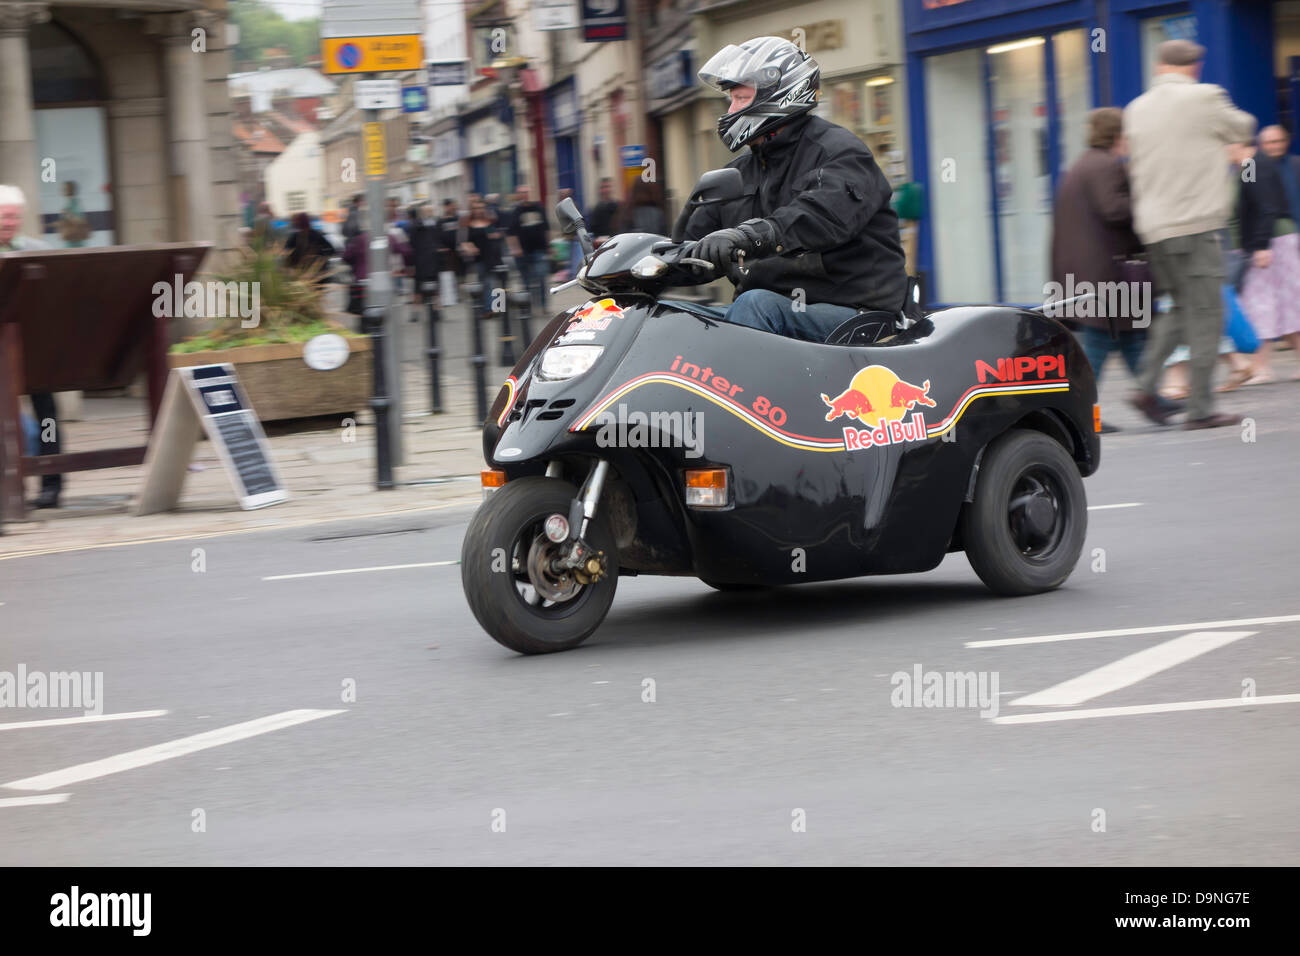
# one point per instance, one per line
(1097, 344)
(534, 268)
(774, 312)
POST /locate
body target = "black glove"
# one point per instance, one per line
(754, 235)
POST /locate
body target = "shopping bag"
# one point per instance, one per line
(1235, 324)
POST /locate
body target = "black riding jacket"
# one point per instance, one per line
(819, 186)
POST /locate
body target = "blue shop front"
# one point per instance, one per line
(999, 92)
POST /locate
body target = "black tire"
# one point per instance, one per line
(498, 597)
(1024, 531)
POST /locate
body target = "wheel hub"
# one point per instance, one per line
(552, 586)
(1035, 514)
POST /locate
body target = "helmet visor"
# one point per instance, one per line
(756, 64)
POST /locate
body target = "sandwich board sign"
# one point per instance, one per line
(208, 399)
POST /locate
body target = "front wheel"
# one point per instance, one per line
(510, 581)
(1024, 531)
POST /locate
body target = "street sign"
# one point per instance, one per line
(604, 20)
(415, 99)
(556, 15)
(208, 398)
(378, 94)
(631, 155)
(448, 72)
(371, 54)
(362, 18)
(376, 155)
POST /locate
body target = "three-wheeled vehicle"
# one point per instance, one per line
(643, 435)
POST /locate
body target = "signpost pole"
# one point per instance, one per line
(388, 413)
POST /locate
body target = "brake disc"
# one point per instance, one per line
(550, 586)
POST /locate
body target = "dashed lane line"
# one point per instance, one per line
(180, 747)
(385, 567)
(1087, 714)
(1134, 631)
(34, 801)
(88, 719)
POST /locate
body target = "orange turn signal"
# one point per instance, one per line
(706, 488)
(1096, 418)
(492, 478)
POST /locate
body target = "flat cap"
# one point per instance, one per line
(1180, 53)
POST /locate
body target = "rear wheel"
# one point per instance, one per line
(1024, 531)
(510, 581)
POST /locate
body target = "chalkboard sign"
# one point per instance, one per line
(208, 398)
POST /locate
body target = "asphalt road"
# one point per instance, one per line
(764, 706)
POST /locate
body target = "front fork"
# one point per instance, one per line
(575, 555)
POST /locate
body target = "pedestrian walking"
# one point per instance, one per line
(529, 234)
(1270, 211)
(1176, 134)
(480, 242)
(642, 212)
(308, 249)
(1093, 238)
(451, 269)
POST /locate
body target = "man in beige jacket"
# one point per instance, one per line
(1176, 133)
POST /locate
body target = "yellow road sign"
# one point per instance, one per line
(376, 156)
(371, 54)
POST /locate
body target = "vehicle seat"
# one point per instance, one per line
(866, 328)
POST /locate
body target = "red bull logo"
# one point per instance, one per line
(880, 400)
(594, 316)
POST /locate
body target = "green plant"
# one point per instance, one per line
(291, 302)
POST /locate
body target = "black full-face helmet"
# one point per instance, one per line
(785, 82)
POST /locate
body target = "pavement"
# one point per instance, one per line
(316, 694)
(328, 469)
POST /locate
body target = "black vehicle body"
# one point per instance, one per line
(876, 510)
(860, 455)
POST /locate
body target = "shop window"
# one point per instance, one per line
(1155, 31)
(1023, 174)
(76, 201)
(959, 183)
(868, 105)
(1073, 95)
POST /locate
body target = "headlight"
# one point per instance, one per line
(560, 362)
(649, 267)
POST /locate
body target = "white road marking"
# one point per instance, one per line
(34, 801)
(1091, 712)
(1129, 670)
(173, 748)
(385, 567)
(1127, 504)
(1131, 631)
(89, 719)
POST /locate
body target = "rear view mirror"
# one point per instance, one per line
(567, 212)
(718, 185)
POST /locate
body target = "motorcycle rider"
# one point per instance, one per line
(815, 236)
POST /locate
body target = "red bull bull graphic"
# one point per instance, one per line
(879, 400)
(591, 318)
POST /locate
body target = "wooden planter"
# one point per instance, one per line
(280, 385)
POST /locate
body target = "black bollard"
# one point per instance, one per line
(429, 292)
(477, 359)
(380, 403)
(524, 307)
(507, 338)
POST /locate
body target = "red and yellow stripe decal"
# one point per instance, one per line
(510, 384)
(793, 439)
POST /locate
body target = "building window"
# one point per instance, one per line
(867, 104)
